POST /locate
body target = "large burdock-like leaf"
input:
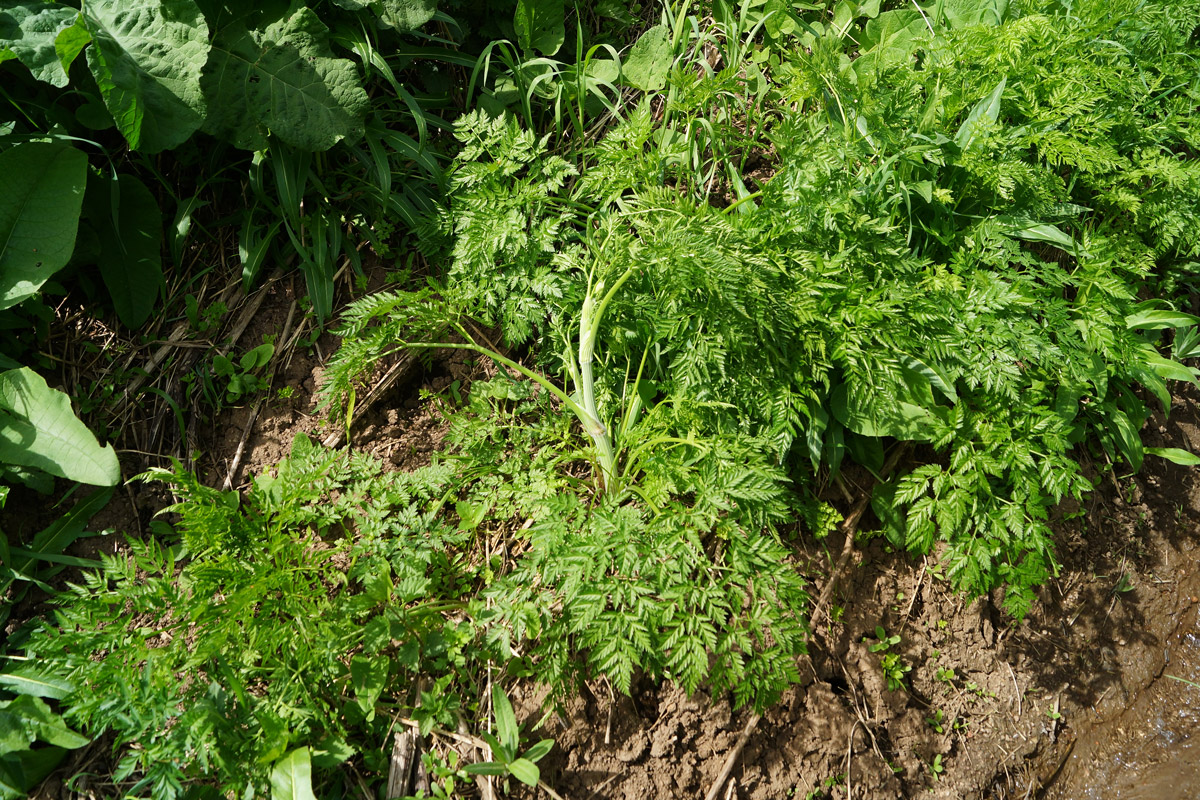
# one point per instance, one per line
(39, 215)
(283, 79)
(28, 29)
(147, 56)
(38, 430)
(403, 15)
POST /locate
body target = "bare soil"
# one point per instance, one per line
(991, 707)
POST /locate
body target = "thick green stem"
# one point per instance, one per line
(589, 328)
(587, 418)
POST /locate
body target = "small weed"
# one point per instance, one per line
(206, 319)
(884, 642)
(240, 377)
(936, 721)
(894, 670)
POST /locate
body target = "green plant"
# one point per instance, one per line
(238, 378)
(936, 721)
(883, 641)
(893, 668)
(445, 774)
(506, 758)
(328, 569)
(936, 768)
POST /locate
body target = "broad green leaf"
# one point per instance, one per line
(1031, 231)
(257, 357)
(984, 113)
(21, 772)
(291, 777)
(28, 31)
(39, 215)
(1125, 436)
(900, 419)
(28, 719)
(405, 15)
(843, 15)
(969, 13)
(470, 514)
(1175, 455)
(28, 679)
(506, 720)
(147, 56)
(540, 25)
(892, 36)
(1158, 319)
(368, 676)
(70, 43)
(331, 751)
(1169, 369)
(649, 60)
(129, 223)
(525, 771)
(281, 79)
(39, 430)
(779, 21)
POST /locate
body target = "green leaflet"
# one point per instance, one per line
(129, 224)
(147, 56)
(39, 430)
(28, 31)
(39, 215)
(281, 79)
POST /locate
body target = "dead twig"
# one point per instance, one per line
(405, 752)
(731, 760)
(399, 370)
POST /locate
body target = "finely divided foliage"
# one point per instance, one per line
(943, 244)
